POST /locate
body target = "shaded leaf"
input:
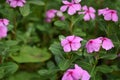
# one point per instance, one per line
(30, 54)
(25, 10)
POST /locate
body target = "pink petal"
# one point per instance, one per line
(19, 3)
(107, 17)
(70, 38)
(85, 8)
(77, 39)
(77, 1)
(77, 7)
(3, 31)
(77, 72)
(75, 46)
(67, 77)
(63, 8)
(6, 22)
(114, 17)
(92, 15)
(64, 42)
(65, 2)
(107, 44)
(67, 48)
(86, 17)
(71, 10)
(13, 4)
(85, 76)
(92, 9)
(89, 48)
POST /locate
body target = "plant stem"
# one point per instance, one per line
(71, 26)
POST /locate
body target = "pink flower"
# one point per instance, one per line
(89, 13)
(50, 14)
(71, 43)
(76, 74)
(15, 3)
(106, 43)
(109, 14)
(93, 45)
(3, 27)
(72, 7)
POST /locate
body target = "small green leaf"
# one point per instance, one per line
(25, 10)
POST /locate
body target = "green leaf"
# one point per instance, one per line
(11, 43)
(7, 69)
(108, 56)
(30, 54)
(84, 65)
(37, 2)
(56, 49)
(64, 64)
(61, 24)
(61, 37)
(79, 32)
(77, 18)
(45, 72)
(104, 69)
(25, 10)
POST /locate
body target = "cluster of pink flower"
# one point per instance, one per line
(72, 43)
(76, 74)
(15, 3)
(88, 12)
(3, 27)
(50, 14)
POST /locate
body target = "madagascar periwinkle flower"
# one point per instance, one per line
(72, 7)
(52, 13)
(89, 13)
(108, 14)
(3, 27)
(76, 74)
(106, 43)
(93, 45)
(71, 43)
(16, 3)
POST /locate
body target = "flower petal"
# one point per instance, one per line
(75, 46)
(115, 17)
(77, 7)
(86, 17)
(67, 48)
(63, 8)
(107, 17)
(71, 10)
